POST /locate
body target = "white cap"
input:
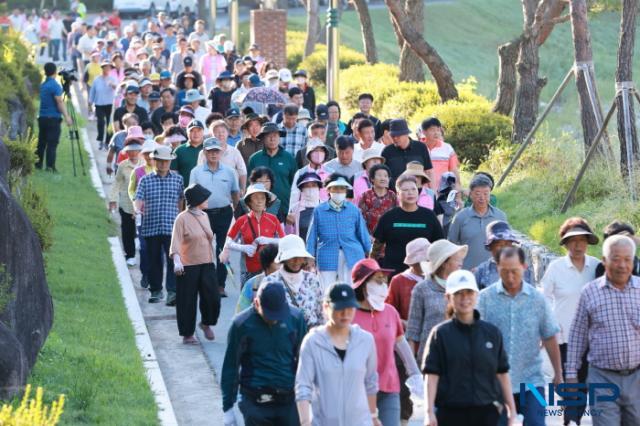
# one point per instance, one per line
(285, 75)
(271, 74)
(461, 280)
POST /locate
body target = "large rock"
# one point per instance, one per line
(25, 320)
(538, 256)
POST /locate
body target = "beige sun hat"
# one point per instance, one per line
(417, 251)
(291, 246)
(439, 252)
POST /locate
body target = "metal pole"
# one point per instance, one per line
(624, 89)
(213, 15)
(234, 22)
(529, 137)
(569, 198)
(333, 62)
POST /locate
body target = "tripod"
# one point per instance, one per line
(74, 136)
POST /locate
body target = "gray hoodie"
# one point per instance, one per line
(337, 389)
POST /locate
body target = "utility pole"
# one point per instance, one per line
(333, 61)
(234, 21)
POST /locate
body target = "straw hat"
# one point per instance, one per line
(414, 168)
(439, 252)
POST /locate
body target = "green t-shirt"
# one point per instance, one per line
(186, 159)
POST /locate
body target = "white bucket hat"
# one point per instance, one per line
(439, 252)
(291, 246)
(371, 153)
(461, 280)
(163, 152)
(258, 187)
(417, 251)
(149, 146)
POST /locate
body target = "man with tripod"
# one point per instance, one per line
(52, 108)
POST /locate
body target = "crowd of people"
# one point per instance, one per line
(369, 275)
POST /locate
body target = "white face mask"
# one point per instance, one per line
(377, 294)
(311, 195)
(338, 197)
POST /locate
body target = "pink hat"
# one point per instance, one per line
(134, 132)
(417, 251)
(364, 269)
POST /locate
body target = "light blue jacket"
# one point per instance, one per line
(337, 389)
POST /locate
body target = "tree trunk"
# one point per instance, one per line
(313, 27)
(551, 14)
(411, 67)
(591, 115)
(438, 68)
(528, 93)
(370, 52)
(627, 135)
(507, 79)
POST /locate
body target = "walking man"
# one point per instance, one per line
(101, 95)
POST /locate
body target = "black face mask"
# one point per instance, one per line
(289, 270)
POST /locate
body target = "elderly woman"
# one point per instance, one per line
(378, 199)
(255, 229)
(428, 304)
(563, 282)
(362, 182)
(469, 224)
(192, 254)
(461, 390)
(265, 177)
(404, 223)
(382, 320)
(338, 399)
(301, 211)
(338, 235)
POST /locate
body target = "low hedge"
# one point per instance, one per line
(295, 48)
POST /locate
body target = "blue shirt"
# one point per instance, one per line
(101, 93)
(487, 273)
(524, 320)
(49, 89)
(222, 182)
(161, 196)
(233, 140)
(331, 231)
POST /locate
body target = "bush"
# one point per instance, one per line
(22, 157)
(380, 80)
(34, 202)
(32, 411)
(470, 127)
(316, 63)
(295, 48)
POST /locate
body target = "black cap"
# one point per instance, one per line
(399, 127)
(232, 112)
(196, 194)
(187, 61)
(341, 296)
(273, 301)
(322, 112)
(154, 96)
(267, 128)
(195, 123)
(430, 122)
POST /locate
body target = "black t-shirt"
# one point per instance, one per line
(220, 100)
(143, 117)
(397, 228)
(397, 159)
(156, 116)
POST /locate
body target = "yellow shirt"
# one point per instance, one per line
(93, 71)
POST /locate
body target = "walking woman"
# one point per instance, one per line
(428, 304)
(337, 367)
(563, 282)
(255, 229)
(466, 363)
(383, 321)
(192, 253)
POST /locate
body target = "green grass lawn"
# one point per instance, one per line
(467, 33)
(90, 355)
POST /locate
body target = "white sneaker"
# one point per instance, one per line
(131, 261)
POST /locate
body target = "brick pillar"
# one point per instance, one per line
(269, 31)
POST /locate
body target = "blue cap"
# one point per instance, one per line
(132, 89)
(232, 112)
(341, 296)
(255, 81)
(165, 74)
(499, 230)
(211, 143)
(273, 301)
(225, 75)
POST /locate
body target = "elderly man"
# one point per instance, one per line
(101, 96)
(187, 154)
(222, 182)
(469, 224)
(159, 198)
(344, 164)
(526, 321)
(294, 134)
(231, 157)
(250, 144)
(130, 106)
(607, 328)
(403, 151)
(279, 161)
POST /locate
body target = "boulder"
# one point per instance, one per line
(538, 256)
(26, 312)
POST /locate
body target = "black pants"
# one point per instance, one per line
(128, 230)
(268, 414)
(197, 280)
(486, 415)
(103, 115)
(49, 129)
(574, 413)
(220, 221)
(156, 245)
(406, 406)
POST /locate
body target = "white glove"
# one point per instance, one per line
(178, 267)
(265, 240)
(228, 418)
(248, 249)
(415, 384)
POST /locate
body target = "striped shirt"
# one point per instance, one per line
(294, 139)
(161, 196)
(444, 159)
(607, 324)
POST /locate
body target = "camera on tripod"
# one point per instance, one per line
(68, 76)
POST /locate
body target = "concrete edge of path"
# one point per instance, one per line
(166, 415)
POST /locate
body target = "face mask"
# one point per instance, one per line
(311, 195)
(338, 197)
(377, 294)
(184, 121)
(317, 157)
(294, 279)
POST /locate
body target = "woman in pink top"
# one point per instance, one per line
(383, 321)
(443, 156)
(370, 157)
(211, 64)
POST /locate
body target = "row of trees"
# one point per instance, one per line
(519, 83)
